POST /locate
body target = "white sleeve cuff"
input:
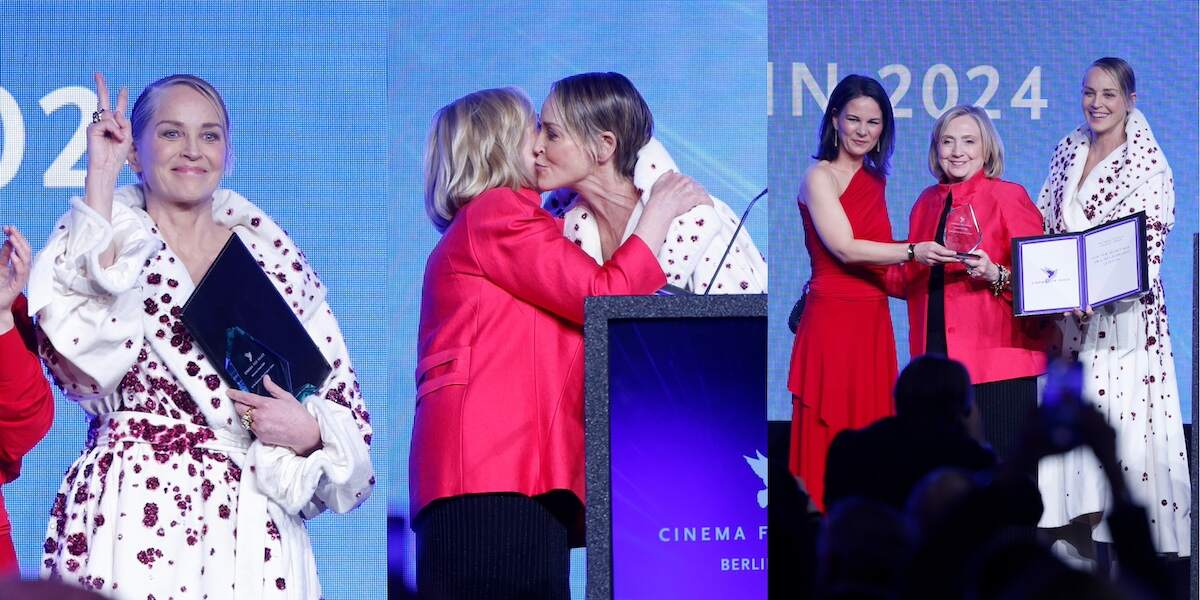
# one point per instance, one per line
(337, 476)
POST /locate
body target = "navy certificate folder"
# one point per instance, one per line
(248, 331)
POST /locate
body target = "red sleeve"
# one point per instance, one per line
(896, 278)
(26, 403)
(520, 247)
(1021, 219)
(1021, 216)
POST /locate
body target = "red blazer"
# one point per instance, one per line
(500, 350)
(981, 331)
(26, 411)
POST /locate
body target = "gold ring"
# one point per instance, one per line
(248, 419)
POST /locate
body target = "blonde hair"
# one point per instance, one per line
(474, 145)
(147, 105)
(1121, 73)
(592, 103)
(993, 161)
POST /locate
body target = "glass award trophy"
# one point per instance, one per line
(248, 331)
(248, 360)
(962, 231)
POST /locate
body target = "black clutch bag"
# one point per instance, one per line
(247, 330)
(797, 310)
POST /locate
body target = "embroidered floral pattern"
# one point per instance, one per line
(1125, 348)
(156, 491)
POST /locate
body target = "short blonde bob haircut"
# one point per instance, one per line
(592, 103)
(475, 144)
(993, 148)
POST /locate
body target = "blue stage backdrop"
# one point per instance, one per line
(305, 86)
(1024, 62)
(698, 64)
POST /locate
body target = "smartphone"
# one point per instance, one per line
(1062, 400)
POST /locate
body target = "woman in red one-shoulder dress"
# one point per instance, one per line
(844, 357)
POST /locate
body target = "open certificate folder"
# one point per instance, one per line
(1061, 272)
(248, 331)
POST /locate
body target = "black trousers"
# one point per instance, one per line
(1004, 407)
(491, 547)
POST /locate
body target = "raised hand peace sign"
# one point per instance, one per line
(109, 137)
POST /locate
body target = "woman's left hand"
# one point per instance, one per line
(16, 258)
(278, 419)
(980, 266)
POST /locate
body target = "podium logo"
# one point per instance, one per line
(759, 465)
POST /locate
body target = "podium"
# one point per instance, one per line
(676, 436)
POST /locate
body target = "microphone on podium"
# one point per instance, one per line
(733, 240)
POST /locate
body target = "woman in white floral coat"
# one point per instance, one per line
(173, 497)
(1109, 168)
(595, 146)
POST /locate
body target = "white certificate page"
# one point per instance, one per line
(1050, 275)
(1113, 262)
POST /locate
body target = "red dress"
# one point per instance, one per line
(844, 357)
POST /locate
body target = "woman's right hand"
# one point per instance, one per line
(672, 195)
(108, 143)
(676, 194)
(932, 253)
(1081, 316)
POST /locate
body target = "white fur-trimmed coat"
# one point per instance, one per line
(1129, 370)
(171, 497)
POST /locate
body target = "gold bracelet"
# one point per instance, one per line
(1002, 282)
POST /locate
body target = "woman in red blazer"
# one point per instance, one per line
(964, 310)
(496, 466)
(26, 404)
